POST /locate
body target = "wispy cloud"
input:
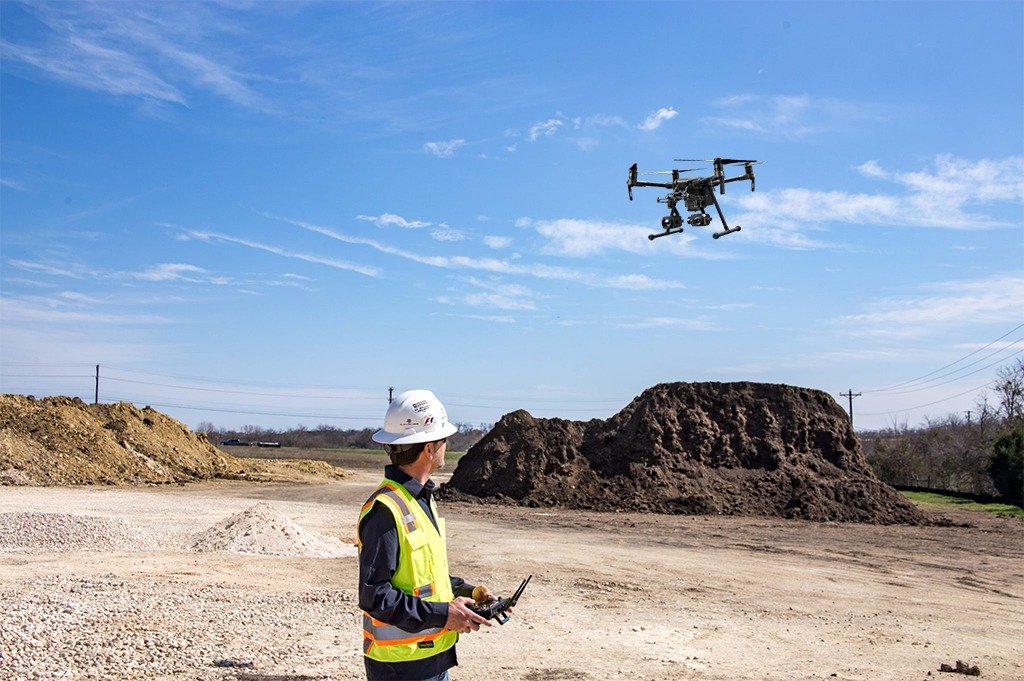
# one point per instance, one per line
(654, 121)
(136, 50)
(444, 149)
(391, 220)
(498, 319)
(212, 237)
(578, 238)
(933, 197)
(497, 242)
(544, 129)
(991, 300)
(56, 311)
(78, 62)
(12, 184)
(446, 233)
(694, 324)
(789, 116)
(169, 272)
(495, 265)
(53, 269)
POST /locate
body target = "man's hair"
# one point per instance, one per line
(403, 455)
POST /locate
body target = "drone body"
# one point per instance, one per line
(695, 193)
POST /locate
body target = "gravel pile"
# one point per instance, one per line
(28, 532)
(63, 627)
(263, 530)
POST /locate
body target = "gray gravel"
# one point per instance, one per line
(62, 627)
(31, 532)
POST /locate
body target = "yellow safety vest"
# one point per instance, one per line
(422, 572)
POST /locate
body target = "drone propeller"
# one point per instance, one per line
(669, 172)
(723, 161)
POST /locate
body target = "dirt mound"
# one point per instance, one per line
(64, 441)
(688, 448)
(265, 531)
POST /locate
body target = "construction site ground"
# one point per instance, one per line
(614, 595)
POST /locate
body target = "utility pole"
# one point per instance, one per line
(391, 389)
(96, 400)
(850, 394)
(968, 417)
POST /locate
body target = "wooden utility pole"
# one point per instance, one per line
(96, 400)
(391, 389)
(850, 394)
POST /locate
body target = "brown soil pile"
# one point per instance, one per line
(64, 441)
(688, 448)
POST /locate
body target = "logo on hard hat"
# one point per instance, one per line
(428, 420)
(422, 405)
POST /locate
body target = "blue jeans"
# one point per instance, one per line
(439, 677)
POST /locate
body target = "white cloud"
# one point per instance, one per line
(79, 62)
(573, 237)
(11, 184)
(446, 233)
(935, 197)
(491, 265)
(212, 237)
(444, 149)
(169, 272)
(641, 282)
(544, 129)
(497, 242)
(59, 270)
(392, 220)
(654, 121)
(789, 116)
(499, 319)
(940, 305)
(698, 324)
(53, 312)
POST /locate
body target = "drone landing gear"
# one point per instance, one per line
(726, 228)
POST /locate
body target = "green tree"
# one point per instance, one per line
(1006, 467)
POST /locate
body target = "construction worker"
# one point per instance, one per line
(413, 609)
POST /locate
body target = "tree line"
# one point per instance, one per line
(331, 437)
(980, 452)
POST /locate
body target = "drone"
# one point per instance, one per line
(696, 193)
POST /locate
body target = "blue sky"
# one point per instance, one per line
(267, 213)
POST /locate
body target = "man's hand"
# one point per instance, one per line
(461, 618)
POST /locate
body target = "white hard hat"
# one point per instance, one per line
(414, 416)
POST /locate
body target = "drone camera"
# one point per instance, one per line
(699, 220)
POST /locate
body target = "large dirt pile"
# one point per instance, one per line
(688, 448)
(64, 441)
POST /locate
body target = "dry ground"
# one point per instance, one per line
(614, 596)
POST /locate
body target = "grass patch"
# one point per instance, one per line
(967, 504)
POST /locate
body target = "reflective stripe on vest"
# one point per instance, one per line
(422, 572)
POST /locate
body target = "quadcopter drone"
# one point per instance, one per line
(696, 193)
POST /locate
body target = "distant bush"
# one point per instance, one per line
(1006, 466)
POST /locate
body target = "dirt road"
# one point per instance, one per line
(614, 596)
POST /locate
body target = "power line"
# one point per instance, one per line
(930, 386)
(914, 380)
(944, 399)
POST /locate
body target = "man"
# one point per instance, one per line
(413, 610)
